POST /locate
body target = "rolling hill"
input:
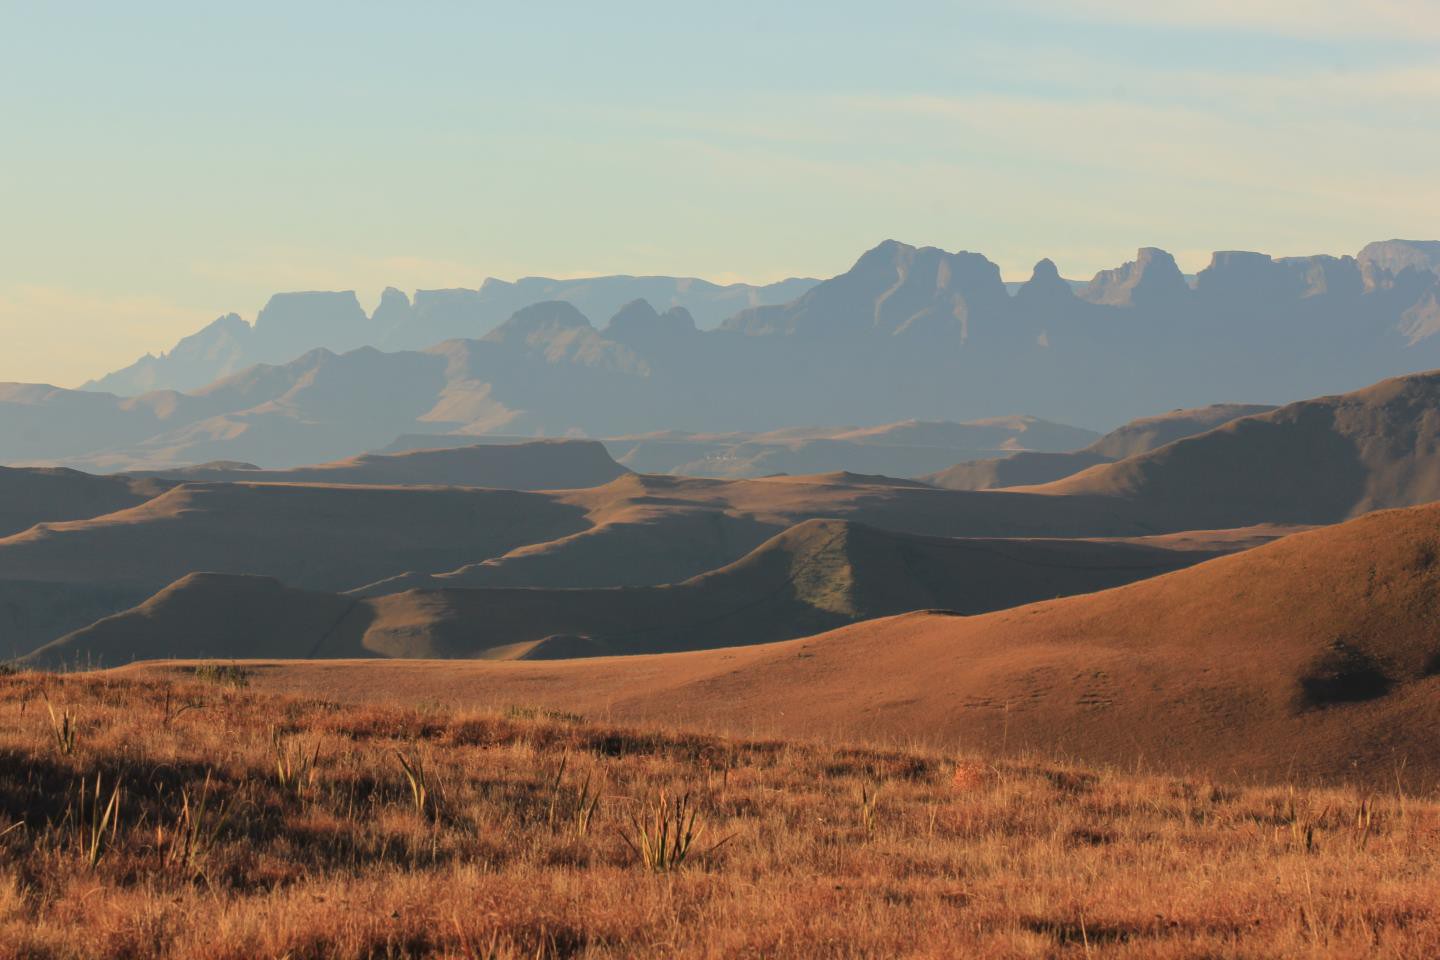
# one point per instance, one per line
(816, 575)
(322, 537)
(904, 449)
(1317, 461)
(1136, 437)
(633, 531)
(35, 612)
(34, 495)
(521, 465)
(646, 530)
(1315, 656)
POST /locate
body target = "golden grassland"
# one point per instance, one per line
(199, 819)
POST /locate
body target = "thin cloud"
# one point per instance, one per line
(1394, 19)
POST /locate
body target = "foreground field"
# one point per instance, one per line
(197, 818)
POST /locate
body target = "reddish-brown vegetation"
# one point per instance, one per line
(197, 818)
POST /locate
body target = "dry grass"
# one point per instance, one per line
(249, 826)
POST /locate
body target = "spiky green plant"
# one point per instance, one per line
(197, 828)
(294, 766)
(573, 807)
(664, 833)
(64, 729)
(869, 801)
(93, 826)
(420, 794)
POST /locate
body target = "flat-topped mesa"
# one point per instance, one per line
(1324, 275)
(329, 319)
(1152, 279)
(1384, 260)
(1258, 283)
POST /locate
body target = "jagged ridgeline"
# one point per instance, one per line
(906, 332)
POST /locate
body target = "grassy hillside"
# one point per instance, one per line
(36, 495)
(319, 537)
(235, 825)
(528, 465)
(1316, 654)
(33, 613)
(1317, 461)
(1136, 437)
(817, 575)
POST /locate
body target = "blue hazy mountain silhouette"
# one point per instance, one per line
(293, 323)
(906, 333)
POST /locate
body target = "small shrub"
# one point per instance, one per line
(1343, 674)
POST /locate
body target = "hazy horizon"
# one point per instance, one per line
(172, 164)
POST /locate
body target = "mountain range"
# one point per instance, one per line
(905, 333)
(291, 324)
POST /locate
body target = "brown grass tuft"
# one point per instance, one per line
(258, 826)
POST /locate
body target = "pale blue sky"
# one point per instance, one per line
(163, 163)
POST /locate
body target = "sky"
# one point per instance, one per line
(164, 163)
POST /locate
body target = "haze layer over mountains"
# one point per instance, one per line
(906, 333)
(295, 323)
(380, 526)
(717, 550)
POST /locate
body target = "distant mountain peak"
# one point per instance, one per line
(1044, 286)
(894, 288)
(1384, 262)
(1045, 270)
(549, 316)
(887, 250)
(302, 307)
(394, 296)
(1152, 278)
(1257, 280)
(638, 324)
(635, 310)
